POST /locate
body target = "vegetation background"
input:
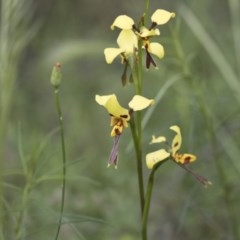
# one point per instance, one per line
(198, 86)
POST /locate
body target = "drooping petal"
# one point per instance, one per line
(112, 105)
(156, 49)
(139, 103)
(158, 139)
(127, 41)
(123, 22)
(155, 157)
(184, 158)
(161, 16)
(144, 32)
(111, 54)
(177, 140)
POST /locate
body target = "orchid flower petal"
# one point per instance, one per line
(156, 49)
(112, 105)
(161, 16)
(177, 140)
(127, 41)
(184, 158)
(155, 157)
(139, 103)
(111, 54)
(158, 139)
(149, 33)
(123, 22)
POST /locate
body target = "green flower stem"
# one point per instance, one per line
(148, 200)
(146, 10)
(136, 126)
(60, 121)
(139, 162)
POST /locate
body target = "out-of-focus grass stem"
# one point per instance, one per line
(234, 7)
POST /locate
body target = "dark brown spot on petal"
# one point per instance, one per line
(187, 160)
(124, 116)
(111, 115)
(176, 144)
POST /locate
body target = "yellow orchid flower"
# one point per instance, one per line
(162, 154)
(127, 40)
(159, 17)
(181, 159)
(120, 117)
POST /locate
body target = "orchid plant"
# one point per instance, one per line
(133, 41)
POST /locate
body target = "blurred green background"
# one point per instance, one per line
(199, 89)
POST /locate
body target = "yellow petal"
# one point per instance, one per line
(184, 158)
(139, 103)
(161, 16)
(112, 105)
(155, 157)
(111, 54)
(123, 22)
(158, 139)
(156, 49)
(127, 41)
(149, 33)
(177, 140)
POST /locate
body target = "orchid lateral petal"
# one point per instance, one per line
(111, 54)
(158, 139)
(156, 49)
(155, 157)
(139, 103)
(177, 140)
(161, 16)
(112, 105)
(123, 22)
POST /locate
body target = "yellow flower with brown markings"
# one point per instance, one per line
(173, 152)
(120, 117)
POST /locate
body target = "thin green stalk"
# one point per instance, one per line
(60, 122)
(146, 10)
(136, 126)
(148, 200)
(139, 163)
(147, 204)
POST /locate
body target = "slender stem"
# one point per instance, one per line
(147, 204)
(136, 126)
(139, 163)
(60, 121)
(146, 10)
(148, 199)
